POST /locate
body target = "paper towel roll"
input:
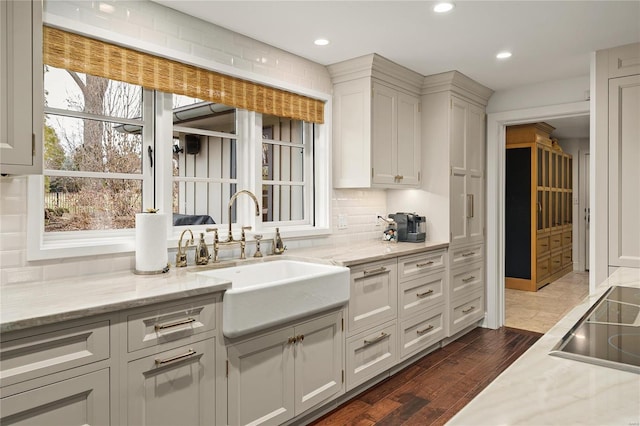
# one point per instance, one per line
(151, 243)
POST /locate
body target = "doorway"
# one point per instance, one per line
(496, 125)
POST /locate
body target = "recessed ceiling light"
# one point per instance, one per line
(443, 7)
(503, 55)
(321, 42)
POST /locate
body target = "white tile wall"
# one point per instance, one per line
(167, 29)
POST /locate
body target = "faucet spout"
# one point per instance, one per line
(232, 200)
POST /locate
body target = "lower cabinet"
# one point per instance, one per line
(370, 353)
(465, 311)
(82, 400)
(175, 387)
(276, 376)
(421, 331)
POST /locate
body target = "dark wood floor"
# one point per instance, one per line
(433, 389)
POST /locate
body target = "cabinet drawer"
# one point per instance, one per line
(82, 400)
(566, 239)
(421, 331)
(52, 351)
(464, 255)
(421, 293)
(370, 353)
(374, 295)
(466, 280)
(169, 323)
(543, 245)
(420, 264)
(556, 241)
(465, 312)
(543, 268)
(556, 263)
(567, 257)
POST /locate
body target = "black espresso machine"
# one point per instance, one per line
(411, 227)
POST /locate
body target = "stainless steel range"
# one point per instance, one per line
(608, 334)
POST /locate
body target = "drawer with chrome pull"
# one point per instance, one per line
(465, 255)
(466, 280)
(170, 322)
(421, 293)
(466, 311)
(421, 264)
(421, 331)
(370, 353)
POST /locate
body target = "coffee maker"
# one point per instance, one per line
(411, 227)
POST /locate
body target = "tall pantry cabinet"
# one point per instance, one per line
(454, 175)
(538, 208)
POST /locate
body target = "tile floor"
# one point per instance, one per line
(541, 310)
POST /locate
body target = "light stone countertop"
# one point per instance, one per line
(540, 389)
(27, 305)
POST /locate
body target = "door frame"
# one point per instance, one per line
(583, 213)
(496, 146)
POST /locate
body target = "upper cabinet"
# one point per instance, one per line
(21, 87)
(376, 124)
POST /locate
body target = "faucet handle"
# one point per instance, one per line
(215, 233)
(245, 228)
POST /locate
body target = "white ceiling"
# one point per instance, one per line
(550, 40)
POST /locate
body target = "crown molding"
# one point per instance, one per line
(456, 82)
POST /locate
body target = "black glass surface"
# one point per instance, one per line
(609, 333)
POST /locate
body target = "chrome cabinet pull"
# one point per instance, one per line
(425, 294)
(421, 332)
(164, 326)
(466, 311)
(466, 280)
(191, 352)
(422, 265)
(467, 254)
(382, 336)
(376, 271)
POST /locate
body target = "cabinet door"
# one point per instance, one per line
(318, 361)
(408, 145)
(624, 174)
(260, 382)
(82, 400)
(383, 135)
(20, 74)
(175, 387)
(458, 213)
(475, 207)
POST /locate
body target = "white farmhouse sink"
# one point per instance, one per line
(270, 293)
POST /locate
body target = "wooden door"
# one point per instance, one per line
(175, 387)
(261, 382)
(318, 361)
(624, 174)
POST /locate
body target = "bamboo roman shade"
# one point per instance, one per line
(78, 53)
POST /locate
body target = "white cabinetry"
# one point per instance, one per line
(21, 89)
(279, 375)
(57, 375)
(170, 363)
(376, 124)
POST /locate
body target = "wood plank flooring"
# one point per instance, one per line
(433, 389)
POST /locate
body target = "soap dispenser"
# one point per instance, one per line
(278, 245)
(202, 252)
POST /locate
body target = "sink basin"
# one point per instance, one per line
(271, 293)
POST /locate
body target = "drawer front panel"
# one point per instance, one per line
(543, 245)
(543, 268)
(556, 241)
(370, 353)
(466, 312)
(566, 239)
(374, 295)
(421, 264)
(466, 280)
(421, 293)
(556, 263)
(421, 331)
(42, 354)
(567, 257)
(166, 324)
(470, 254)
(82, 400)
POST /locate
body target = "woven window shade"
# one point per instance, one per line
(74, 52)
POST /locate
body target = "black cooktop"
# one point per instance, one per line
(608, 334)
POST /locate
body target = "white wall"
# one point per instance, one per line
(157, 29)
